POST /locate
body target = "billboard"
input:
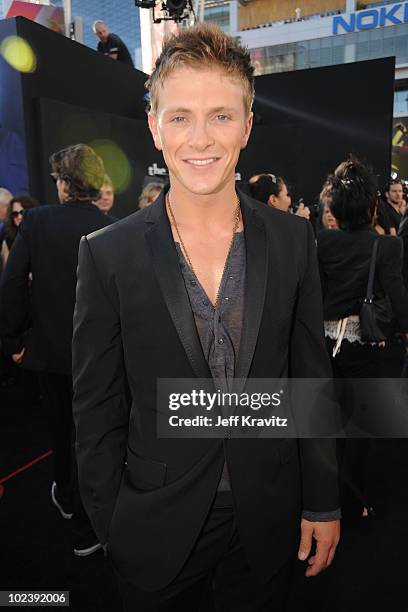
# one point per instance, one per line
(51, 17)
(400, 147)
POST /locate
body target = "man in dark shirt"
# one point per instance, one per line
(205, 283)
(111, 44)
(391, 209)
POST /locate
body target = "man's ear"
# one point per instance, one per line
(272, 200)
(247, 131)
(153, 126)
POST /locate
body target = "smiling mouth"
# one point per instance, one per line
(201, 162)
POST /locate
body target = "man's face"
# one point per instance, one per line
(3, 212)
(395, 194)
(102, 32)
(201, 126)
(106, 199)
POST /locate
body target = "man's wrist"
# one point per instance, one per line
(331, 515)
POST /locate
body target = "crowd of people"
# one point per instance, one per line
(349, 203)
(359, 236)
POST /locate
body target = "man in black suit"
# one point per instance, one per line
(37, 304)
(203, 283)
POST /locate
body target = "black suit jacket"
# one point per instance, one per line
(38, 315)
(344, 259)
(148, 497)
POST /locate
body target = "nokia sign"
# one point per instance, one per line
(371, 18)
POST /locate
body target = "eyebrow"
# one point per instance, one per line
(218, 109)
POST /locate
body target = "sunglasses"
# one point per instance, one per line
(17, 213)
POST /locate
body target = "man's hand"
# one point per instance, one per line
(18, 357)
(303, 211)
(327, 535)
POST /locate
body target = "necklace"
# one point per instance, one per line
(237, 217)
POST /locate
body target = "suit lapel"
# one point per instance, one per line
(166, 265)
(255, 285)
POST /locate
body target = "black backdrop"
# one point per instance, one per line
(306, 121)
(63, 124)
(75, 75)
(309, 120)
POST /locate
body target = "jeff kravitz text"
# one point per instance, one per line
(231, 421)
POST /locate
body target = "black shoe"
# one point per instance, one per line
(61, 504)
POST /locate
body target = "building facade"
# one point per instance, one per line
(296, 34)
(121, 16)
(301, 34)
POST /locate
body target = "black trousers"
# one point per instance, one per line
(56, 391)
(216, 577)
(353, 454)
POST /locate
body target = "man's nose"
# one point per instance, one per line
(200, 135)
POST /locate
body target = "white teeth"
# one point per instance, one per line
(201, 162)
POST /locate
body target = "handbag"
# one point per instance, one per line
(376, 314)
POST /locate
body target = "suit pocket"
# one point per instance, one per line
(143, 473)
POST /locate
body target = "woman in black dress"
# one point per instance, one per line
(344, 259)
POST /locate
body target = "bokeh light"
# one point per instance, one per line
(116, 163)
(18, 53)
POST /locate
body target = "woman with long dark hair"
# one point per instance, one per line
(18, 205)
(344, 259)
(273, 191)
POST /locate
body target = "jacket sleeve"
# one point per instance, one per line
(309, 360)
(15, 297)
(391, 280)
(100, 403)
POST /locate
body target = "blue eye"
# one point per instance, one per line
(222, 117)
(178, 119)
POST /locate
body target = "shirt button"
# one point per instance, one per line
(221, 341)
(193, 283)
(226, 299)
(206, 302)
(231, 277)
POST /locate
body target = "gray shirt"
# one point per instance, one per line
(219, 328)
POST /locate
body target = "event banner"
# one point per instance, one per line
(400, 147)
